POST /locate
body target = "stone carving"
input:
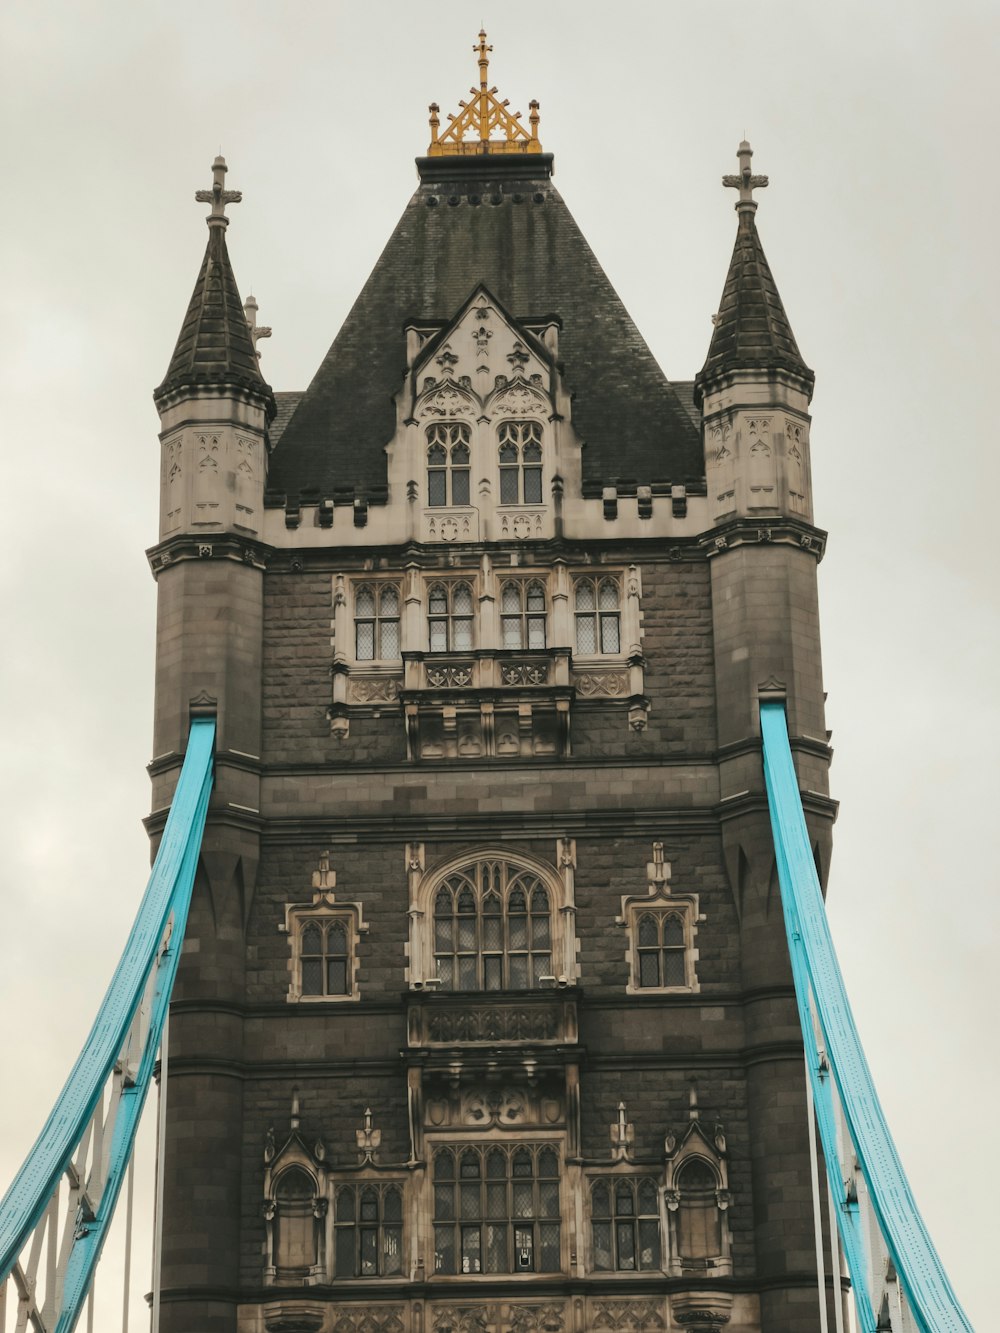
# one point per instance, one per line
(720, 433)
(524, 673)
(633, 1316)
(373, 689)
(447, 402)
(601, 685)
(466, 1319)
(535, 1319)
(494, 1024)
(516, 400)
(521, 526)
(451, 528)
(370, 1319)
(208, 448)
(296, 1317)
(246, 452)
(449, 677)
(507, 1106)
(758, 427)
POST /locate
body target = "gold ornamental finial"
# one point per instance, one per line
(470, 131)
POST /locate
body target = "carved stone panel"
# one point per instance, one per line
(636, 1316)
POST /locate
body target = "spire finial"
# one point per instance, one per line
(257, 331)
(746, 183)
(218, 196)
(469, 132)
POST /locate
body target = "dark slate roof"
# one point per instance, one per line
(285, 405)
(215, 348)
(498, 221)
(752, 331)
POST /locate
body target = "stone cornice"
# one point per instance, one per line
(208, 546)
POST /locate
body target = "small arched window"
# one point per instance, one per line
(368, 1230)
(699, 1222)
(598, 616)
(625, 1222)
(520, 455)
(522, 614)
(376, 622)
(448, 460)
(492, 929)
(661, 946)
(295, 1230)
(449, 617)
(324, 956)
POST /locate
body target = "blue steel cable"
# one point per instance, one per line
(168, 890)
(930, 1297)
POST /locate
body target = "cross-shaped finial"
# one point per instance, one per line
(482, 51)
(745, 182)
(218, 196)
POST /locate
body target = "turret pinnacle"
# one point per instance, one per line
(752, 331)
(215, 347)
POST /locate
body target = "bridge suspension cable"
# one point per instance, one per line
(55, 1217)
(898, 1279)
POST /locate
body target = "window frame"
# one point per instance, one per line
(449, 618)
(299, 917)
(378, 588)
(524, 618)
(452, 438)
(520, 435)
(636, 1222)
(470, 1238)
(352, 1232)
(602, 621)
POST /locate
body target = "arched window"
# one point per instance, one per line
(625, 1223)
(325, 956)
(376, 622)
(368, 1230)
(448, 461)
(522, 614)
(449, 617)
(520, 455)
(598, 616)
(661, 947)
(492, 929)
(295, 1231)
(699, 1222)
(496, 1209)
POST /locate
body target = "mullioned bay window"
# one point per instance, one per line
(368, 1230)
(625, 1224)
(597, 609)
(520, 457)
(450, 617)
(448, 461)
(492, 929)
(376, 622)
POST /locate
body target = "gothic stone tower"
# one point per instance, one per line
(485, 1019)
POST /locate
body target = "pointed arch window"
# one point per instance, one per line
(296, 1234)
(520, 454)
(523, 614)
(661, 948)
(625, 1224)
(376, 622)
(597, 604)
(325, 956)
(492, 929)
(450, 617)
(368, 1230)
(496, 1209)
(448, 462)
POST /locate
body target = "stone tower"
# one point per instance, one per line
(485, 1019)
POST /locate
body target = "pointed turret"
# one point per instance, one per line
(215, 348)
(754, 388)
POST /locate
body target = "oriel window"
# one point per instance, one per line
(625, 1224)
(496, 1209)
(450, 617)
(376, 622)
(448, 460)
(522, 614)
(368, 1230)
(598, 617)
(520, 453)
(492, 929)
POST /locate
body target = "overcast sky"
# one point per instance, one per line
(877, 127)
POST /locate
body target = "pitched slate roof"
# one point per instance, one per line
(497, 221)
(215, 348)
(752, 331)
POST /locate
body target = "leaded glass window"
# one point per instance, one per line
(376, 622)
(325, 955)
(522, 614)
(598, 617)
(520, 455)
(368, 1230)
(625, 1223)
(496, 1209)
(448, 461)
(450, 617)
(492, 928)
(661, 950)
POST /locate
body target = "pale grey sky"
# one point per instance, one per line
(877, 126)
